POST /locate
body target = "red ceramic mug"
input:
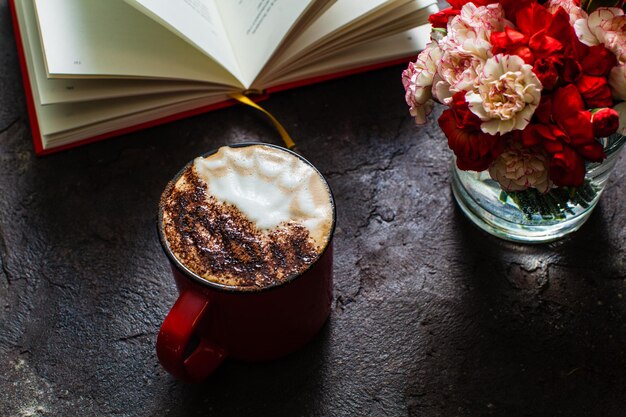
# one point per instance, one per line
(211, 321)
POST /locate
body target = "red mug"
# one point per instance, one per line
(210, 322)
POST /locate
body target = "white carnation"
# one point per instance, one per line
(506, 95)
(418, 81)
(605, 26)
(461, 63)
(519, 168)
(477, 22)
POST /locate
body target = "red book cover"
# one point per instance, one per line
(36, 133)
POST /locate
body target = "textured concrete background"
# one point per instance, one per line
(431, 316)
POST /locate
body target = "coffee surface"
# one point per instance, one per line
(247, 217)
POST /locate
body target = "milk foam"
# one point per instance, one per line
(269, 186)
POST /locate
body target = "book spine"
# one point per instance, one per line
(28, 90)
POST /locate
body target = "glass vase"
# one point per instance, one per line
(529, 216)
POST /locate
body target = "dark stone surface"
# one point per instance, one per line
(431, 316)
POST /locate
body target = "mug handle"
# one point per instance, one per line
(175, 335)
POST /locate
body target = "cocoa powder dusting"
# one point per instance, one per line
(216, 241)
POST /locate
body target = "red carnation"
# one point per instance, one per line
(512, 42)
(576, 123)
(595, 91)
(567, 168)
(539, 35)
(593, 152)
(571, 70)
(570, 115)
(548, 135)
(474, 149)
(605, 122)
(563, 128)
(544, 45)
(546, 71)
(440, 19)
(532, 18)
(511, 7)
(598, 61)
(462, 114)
(561, 30)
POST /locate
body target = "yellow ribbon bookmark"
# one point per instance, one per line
(289, 143)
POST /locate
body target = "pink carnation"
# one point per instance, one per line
(441, 90)
(506, 95)
(519, 168)
(418, 80)
(476, 22)
(466, 47)
(606, 26)
(462, 63)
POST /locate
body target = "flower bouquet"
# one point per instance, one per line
(535, 94)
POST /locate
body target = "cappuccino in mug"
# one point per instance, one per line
(247, 216)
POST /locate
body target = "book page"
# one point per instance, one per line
(340, 15)
(66, 123)
(71, 90)
(346, 24)
(66, 90)
(387, 49)
(129, 120)
(64, 117)
(86, 38)
(256, 28)
(404, 16)
(196, 21)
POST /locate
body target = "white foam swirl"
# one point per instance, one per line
(269, 186)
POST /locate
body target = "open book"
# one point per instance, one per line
(94, 68)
